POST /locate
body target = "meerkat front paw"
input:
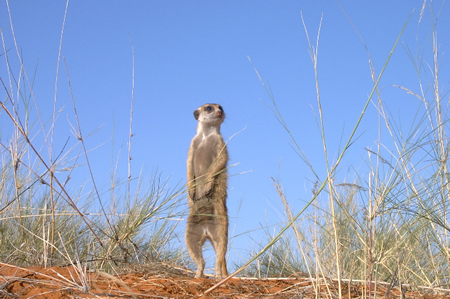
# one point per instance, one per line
(191, 195)
(209, 189)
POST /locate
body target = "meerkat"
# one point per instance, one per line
(207, 189)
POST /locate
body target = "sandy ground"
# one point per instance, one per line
(155, 282)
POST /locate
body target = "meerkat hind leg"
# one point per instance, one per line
(219, 242)
(194, 242)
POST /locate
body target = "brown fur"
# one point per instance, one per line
(207, 189)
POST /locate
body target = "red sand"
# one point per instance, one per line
(64, 282)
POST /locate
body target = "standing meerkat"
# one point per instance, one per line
(207, 189)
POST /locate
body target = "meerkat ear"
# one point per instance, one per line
(196, 114)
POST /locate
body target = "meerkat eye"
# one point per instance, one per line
(220, 108)
(208, 108)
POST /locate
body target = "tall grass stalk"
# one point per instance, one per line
(314, 53)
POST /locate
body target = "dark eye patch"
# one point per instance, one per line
(220, 108)
(208, 108)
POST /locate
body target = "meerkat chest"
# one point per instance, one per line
(205, 153)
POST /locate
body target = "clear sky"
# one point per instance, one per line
(188, 53)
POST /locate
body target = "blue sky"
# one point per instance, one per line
(188, 53)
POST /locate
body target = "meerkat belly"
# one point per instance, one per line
(203, 158)
(204, 212)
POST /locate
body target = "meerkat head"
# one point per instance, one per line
(211, 114)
